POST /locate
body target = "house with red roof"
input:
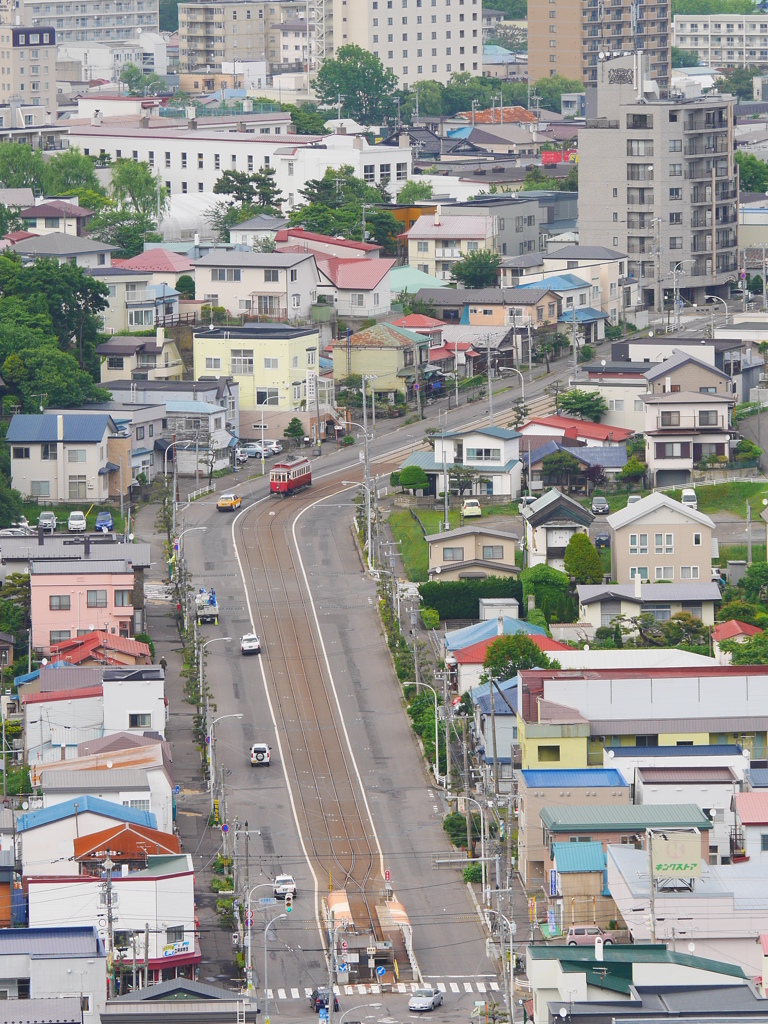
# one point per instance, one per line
(426, 325)
(748, 837)
(101, 648)
(164, 266)
(731, 630)
(53, 215)
(469, 660)
(357, 287)
(325, 245)
(592, 434)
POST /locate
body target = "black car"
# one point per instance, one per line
(602, 540)
(319, 1000)
(600, 505)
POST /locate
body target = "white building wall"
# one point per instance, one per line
(123, 698)
(51, 725)
(49, 849)
(704, 795)
(52, 977)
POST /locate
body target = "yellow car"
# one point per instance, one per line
(228, 502)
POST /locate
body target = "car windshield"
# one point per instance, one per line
(422, 993)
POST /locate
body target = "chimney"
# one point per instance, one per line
(437, 216)
(144, 121)
(500, 626)
(59, 427)
(638, 585)
(40, 535)
(87, 547)
(160, 337)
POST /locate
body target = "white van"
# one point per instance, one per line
(688, 497)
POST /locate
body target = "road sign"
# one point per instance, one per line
(381, 971)
(267, 901)
(235, 906)
(551, 920)
(371, 951)
(249, 918)
(387, 875)
(344, 945)
(341, 967)
(176, 790)
(225, 827)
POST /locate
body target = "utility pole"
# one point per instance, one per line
(749, 520)
(492, 695)
(466, 781)
(417, 385)
(573, 340)
(106, 888)
(146, 955)
(490, 379)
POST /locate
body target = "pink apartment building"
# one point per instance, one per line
(70, 599)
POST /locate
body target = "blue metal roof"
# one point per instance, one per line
(575, 778)
(94, 804)
(484, 688)
(697, 750)
(585, 315)
(572, 857)
(558, 283)
(758, 778)
(42, 427)
(49, 943)
(500, 706)
(458, 639)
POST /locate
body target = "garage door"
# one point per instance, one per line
(672, 477)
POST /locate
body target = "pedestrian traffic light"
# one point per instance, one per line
(289, 902)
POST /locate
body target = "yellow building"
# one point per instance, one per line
(436, 242)
(390, 354)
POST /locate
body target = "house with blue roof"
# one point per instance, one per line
(68, 456)
(611, 459)
(581, 303)
(478, 461)
(45, 837)
(53, 974)
(578, 885)
(546, 787)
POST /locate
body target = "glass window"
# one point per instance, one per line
(140, 720)
(665, 572)
(77, 488)
(59, 602)
(76, 455)
(689, 572)
(639, 570)
(493, 551)
(241, 361)
(97, 599)
(57, 635)
(123, 598)
(453, 554)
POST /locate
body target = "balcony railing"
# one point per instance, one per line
(442, 254)
(690, 422)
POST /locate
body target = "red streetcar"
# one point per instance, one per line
(292, 474)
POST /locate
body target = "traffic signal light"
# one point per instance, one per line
(289, 902)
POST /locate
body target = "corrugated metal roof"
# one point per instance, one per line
(125, 839)
(38, 943)
(59, 244)
(685, 398)
(558, 283)
(652, 503)
(619, 817)
(679, 358)
(673, 776)
(276, 260)
(460, 638)
(42, 427)
(471, 531)
(696, 750)
(752, 808)
(570, 858)
(573, 778)
(502, 433)
(586, 252)
(79, 568)
(451, 227)
(733, 628)
(631, 954)
(47, 815)
(112, 779)
(363, 273)
(475, 653)
(758, 778)
(580, 428)
(711, 723)
(59, 1009)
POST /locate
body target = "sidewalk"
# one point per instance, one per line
(193, 802)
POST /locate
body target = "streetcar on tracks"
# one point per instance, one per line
(291, 474)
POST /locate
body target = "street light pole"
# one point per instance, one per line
(201, 651)
(511, 978)
(266, 950)
(675, 269)
(331, 963)
(249, 917)
(444, 780)
(451, 796)
(214, 723)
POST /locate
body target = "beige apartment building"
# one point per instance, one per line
(28, 65)
(664, 188)
(723, 39)
(230, 30)
(94, 22)
(565, 37)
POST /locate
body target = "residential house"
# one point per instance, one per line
(420, 324)
(488, 456)
(542, 787)
(504, 718)
(255, 230)
(658, 538)
(549, 524)
(83, 252)
(488, 629)
(621, 386)
(467, 672)
(471, 552)
(161, 894)
(390, 354)
(134, 301)
(566, 718)
(65, 456)
(646, 981)
(213, 388)
(46, 969)
(722, 912)
(601, 604)
(164, 266)
(684, 430)
(514, 217)
(7, 644)
(139, 358)
(520, 308)
(577, 890)
(281, 286)
(578, 299)
(18, 552)
(71, 597)
(598, 434)
(46, 837)
(53, 215)
(710, 788)
(357, 288)
(436, 242)
(611, 460)
(409, 279)
(734, 630)
(101, 648)
(268, 363)
(188, 1002)
(321, 245)
(127, 844)
(126, 786)
(731, 354)
(683, 371)
(143, 423)
(749, 832)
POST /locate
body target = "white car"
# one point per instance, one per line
(271, 445)
(424, 999)
(241, 456)
(260, 754)
(250, 644)
(76, 522)
(284, 884)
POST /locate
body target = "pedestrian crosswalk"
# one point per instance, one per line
(404, 988)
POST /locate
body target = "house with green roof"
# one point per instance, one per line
(388, 353)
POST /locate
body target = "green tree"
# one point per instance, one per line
(414, 191)
(138, 83)
(509, 655)
(295, 429)
(551, 89)
(514, 9)
(752, 652)
(430, 97)
(742, 611)
(307, 119)
(713, 7)
(413, 478)
(136, 189)
(753, 172)
(71, 172)
(463, 477)
(22, 167)
(755, 582)
(169, 15)
(582, 560)
(588, 405)
(738, 80)
(561, 466)
(684, 629)
(633, 470)
(477, 269)
(185, 286)
(367, 87)
(9, 220)
(684, 58)
(238, 185)
(128, 232)
(11, 507)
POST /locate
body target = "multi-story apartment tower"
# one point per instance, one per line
(723, 39)
(28, 66)
(104, 22)
(212, 31)
(566, 37)
(659, 182)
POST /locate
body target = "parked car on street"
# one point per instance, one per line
(260, 754)
(48, 521)
(76, 522)
(272, 445)
(424, 999)
(250, 644)
(471, 507)
(585, 935)
(600, 506)
(253, 451)
(602, 540)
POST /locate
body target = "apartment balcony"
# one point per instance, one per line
(602, 122)
(702, 219)
(448, 254)
(686, 422)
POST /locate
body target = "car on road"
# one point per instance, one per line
(634, 498)
(250, 644)
(104, 522)
(602, 540)
(240, 456)
(76, 522)
(471, 507)
(229, 502)
(48, 521)
(284, 884)
(319, 1000)
(424, 999)
(272, 445)
(260, 754)
(585, 935)
(600, 506)
(253, 451)
(688, 497)
(20, 529)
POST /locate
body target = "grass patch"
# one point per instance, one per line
(729, 497)
(605, 558)
(736, 552)
(413, 547)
